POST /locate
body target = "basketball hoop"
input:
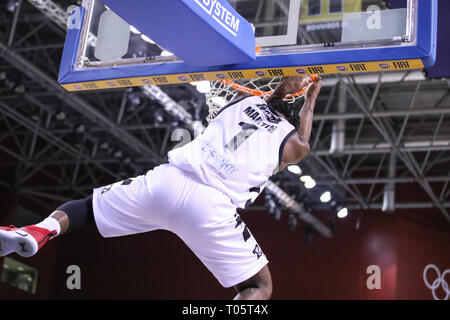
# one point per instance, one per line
(224, 91)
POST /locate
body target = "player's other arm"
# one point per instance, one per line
(297, 147)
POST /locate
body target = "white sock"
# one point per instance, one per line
(50, 224)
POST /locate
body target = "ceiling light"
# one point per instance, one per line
(342, 213)
(158, 115)
(309, 181)
(294, 169)
(104, 145)
(310, 184)
(60, 116)
(204, 87)
(325, 197)
(80, 129)
(20, 89)
(305, 178)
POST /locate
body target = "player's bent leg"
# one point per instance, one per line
(207, 222)
(258, 287)
(131, 206)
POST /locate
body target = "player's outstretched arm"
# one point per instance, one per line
(297, 146)
(307, 111)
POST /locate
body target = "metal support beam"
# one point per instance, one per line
(339, 180)
(12, 31)
(387, 148)
(297, 208)
(70, 150)
(373, 206)
(395, 180)
(74, 101)
(52, 11)
(407, 205)
(405, 157)
(40, 47)
(389, 188)
(383, 114)
(338, 131)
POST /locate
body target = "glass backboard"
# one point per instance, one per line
(291, 36)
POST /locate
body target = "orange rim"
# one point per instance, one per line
(262, 93)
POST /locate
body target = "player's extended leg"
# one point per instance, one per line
(121, 208)
(26, 241)
(258, 287)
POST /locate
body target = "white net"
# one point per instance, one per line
(224, 91)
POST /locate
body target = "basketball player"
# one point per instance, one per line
(197, 193)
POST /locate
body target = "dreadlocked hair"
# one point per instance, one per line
(290, 110)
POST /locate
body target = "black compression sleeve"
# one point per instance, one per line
(80, 213)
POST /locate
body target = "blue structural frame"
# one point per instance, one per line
(424, 49)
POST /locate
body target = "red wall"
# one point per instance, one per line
(421, 243)
(158, 265)
(155, 265)
(45, 262)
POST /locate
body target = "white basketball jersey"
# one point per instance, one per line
(239, 150)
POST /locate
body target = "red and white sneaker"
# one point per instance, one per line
(25, 241)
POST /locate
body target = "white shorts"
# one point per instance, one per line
(204, 218)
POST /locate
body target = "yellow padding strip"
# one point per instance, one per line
(343, 68)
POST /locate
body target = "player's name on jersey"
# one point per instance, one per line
(268, 122)
(343, 68)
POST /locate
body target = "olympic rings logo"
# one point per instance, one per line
(440, 280)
